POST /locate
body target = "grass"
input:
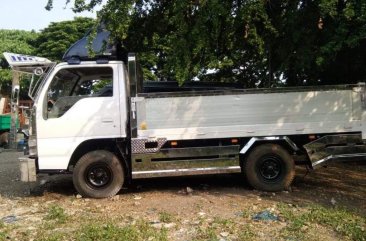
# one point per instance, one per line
(3, 233)
(110, 232)
(53, 237)
(339, 220)
(246, 233)
(57, 214)
(97, 230)
(303, 223)
(206, 233)
(211, 231)
(166, 217)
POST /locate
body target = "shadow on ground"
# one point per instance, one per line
(341, 185)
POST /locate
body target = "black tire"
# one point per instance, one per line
(269, 167)
(98, 174)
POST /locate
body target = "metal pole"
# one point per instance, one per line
(14, 110)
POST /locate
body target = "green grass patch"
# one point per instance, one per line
(338, 219)
(57, 214)
(3, 235)
(110, 232)
(54, 237)
(3, 232)
(166, 217)
(246, 233)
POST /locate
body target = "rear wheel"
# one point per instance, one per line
(98, 174)
(269, 167)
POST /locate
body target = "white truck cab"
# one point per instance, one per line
(79, 103)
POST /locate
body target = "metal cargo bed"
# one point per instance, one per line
(248, 113)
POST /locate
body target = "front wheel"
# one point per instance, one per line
(98, 174)
(269, 167)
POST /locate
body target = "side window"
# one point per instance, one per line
(73, 84)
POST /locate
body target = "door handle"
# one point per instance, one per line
(107, 120)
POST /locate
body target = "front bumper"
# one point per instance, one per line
(28, 171)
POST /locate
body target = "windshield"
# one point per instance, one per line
(69, 85)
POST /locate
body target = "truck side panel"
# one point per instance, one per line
(248, 115)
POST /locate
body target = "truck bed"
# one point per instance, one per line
(248, 113)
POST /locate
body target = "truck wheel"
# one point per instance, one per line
(269, 167)
(98, 174)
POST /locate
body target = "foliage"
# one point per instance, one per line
(15, 41)
(57, 214)
(166, 217)
(54, 40)
(256, 43)
(340, 220)
(3, 231)
(139, 231)
(51, 42)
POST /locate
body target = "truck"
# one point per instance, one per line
(93, 118)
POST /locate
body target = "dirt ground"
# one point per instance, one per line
(219, 207)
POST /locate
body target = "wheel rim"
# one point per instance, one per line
(270, 168)
(98, 175)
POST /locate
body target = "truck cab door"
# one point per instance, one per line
(78, 103)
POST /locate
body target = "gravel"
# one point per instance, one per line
(10, 185)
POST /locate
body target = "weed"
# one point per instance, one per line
(57, 214)
(246, 233)
(211, 231)
(245, 213)
(3, 232)
(53, 237)
(3, 236)
(49, 225)
(221, 222)
(208, 233)
(166, 217)
(110, 232)
(340, 220)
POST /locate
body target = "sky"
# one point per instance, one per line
(31, 14)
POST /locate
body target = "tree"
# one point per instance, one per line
(15, 41)
(256, 43)
(51, 43)
(56, 38)
(319, 42)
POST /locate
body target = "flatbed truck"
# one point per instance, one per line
(94, 119)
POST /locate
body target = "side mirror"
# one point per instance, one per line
(38, 71)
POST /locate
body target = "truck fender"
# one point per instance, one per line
(273, 139)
